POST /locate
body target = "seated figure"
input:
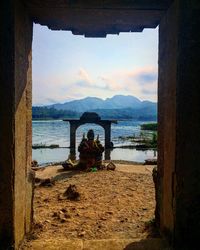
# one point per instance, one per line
(90, 152)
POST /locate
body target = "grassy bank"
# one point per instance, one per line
(149, 126)
(146, 140)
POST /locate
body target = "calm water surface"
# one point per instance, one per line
(57, 132)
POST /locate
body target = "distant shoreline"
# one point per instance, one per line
(118, 119)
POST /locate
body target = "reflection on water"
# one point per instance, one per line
(61, 154)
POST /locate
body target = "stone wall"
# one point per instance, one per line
(168, 45)
(178, 199)
(15, 128)
(6, 122)
(23, 122)
(187, 224)
(179, 124)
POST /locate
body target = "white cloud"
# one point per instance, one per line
(83, 74)
(140, 82)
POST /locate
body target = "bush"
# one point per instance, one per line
(149, 126)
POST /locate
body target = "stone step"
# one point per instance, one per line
(104, 244)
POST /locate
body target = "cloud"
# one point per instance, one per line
(147, 78)
(137, 76)
(86, 81)
(140, 82)
(148, 92)
(83, 74)
(51, 100)
(144, 75)
(82, 84)
(110, 83)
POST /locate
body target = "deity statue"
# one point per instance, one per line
(90, 152)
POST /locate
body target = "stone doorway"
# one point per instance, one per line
(98, 120)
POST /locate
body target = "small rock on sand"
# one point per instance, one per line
(47, 182)
(72, 193)
(111, 166)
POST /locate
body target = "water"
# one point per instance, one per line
(57, 132)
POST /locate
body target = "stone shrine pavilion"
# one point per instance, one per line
(90, 117)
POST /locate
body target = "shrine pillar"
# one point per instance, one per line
(73, 128)
(107, 128)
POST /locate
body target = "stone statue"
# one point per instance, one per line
(90, 152)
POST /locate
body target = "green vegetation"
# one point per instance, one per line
(143, 141)
(52, 113)
(149, 126)
(143, 114)
(154, 140)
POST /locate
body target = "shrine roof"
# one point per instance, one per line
(90, 117)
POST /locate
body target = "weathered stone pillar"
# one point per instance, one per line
(107, 129)
(73, 128)
(179, 124)
(167, 80)
(15, 126)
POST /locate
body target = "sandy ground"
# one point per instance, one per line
(113, 204)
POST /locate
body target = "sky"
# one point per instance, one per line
(68, 67)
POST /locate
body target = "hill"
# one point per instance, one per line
(88, 103)
(142, 114)
(117, 107)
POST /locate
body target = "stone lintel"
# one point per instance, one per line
(101, 4)
(98, 18)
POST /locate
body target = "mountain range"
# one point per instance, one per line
(119, 106)
(94, 103)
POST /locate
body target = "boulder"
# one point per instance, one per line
(111, 166)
